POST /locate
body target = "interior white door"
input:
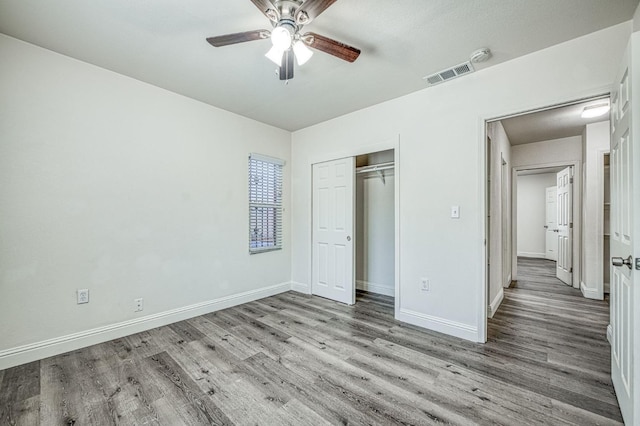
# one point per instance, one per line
(551, 224)
(623, 245)
(564, 265)
(333, 274)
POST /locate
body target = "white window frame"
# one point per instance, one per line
(265, 203)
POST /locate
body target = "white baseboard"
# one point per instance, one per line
(46, 348)
(438, 324)
(589, 293)
(495, 303)
(301, 287)
(609, 334)
(376, 288)
(531, 254)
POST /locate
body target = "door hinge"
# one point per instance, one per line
(571, 270)
(570, 180)
(571, 225)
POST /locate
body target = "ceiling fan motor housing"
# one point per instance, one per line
(287, 8)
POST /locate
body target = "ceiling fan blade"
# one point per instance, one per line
(227, 39)
(266, 5)
(286, 69)
(310, 9)
(332, 47)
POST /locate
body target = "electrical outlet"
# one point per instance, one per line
(83, 295)
(424, 284)
(137, 305)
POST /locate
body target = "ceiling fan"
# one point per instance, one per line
(287, 18)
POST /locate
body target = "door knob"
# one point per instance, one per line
(618, 261)
(546, 227)
(348, 238)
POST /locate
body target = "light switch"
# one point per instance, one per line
(455, 212)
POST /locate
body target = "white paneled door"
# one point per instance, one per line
(551, 224)
(333, 274)
(622, 246)
(564, 207)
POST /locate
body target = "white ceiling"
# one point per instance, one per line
(162, 42)
(550, 124)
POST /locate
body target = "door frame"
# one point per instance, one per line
(555, 215)
(483, 307)
(391, 143)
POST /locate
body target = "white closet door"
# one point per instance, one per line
(333, 274)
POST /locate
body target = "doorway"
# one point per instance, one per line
(543, 216)
(555, 137)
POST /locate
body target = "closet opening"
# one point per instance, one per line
(375, 223)
(354, 216)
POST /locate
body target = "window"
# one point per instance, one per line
(265, 203)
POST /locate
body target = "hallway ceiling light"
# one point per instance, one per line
(595, 110)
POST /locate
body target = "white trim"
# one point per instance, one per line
(495, 303)
(610, 334)
(482, 245)
(589, 293)
(396, 215)
(531, 254)
(46, 348)
(441, 325)
(387, 290)
(508, 282)
(300, 287)
(600, 221)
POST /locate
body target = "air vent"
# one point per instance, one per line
(449, 74)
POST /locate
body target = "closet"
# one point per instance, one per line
(375, 222)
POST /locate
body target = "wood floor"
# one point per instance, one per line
(292, 359)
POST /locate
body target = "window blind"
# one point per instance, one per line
(265, 203)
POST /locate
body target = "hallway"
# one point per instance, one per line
(557, 339)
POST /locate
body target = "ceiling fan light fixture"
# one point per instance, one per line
(595, 110)
(282, 36)
(302, 52)
(275, 54)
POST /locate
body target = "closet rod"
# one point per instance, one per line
(376, 167)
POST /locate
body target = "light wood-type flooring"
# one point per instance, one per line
(293, 359)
